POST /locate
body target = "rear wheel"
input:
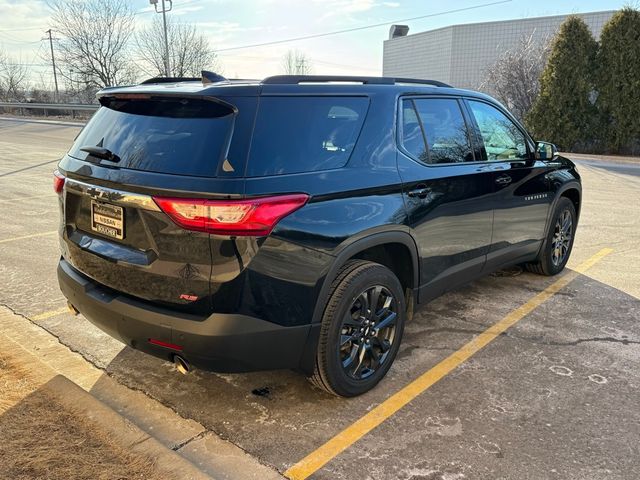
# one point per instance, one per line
(559, 242)
(361, 329)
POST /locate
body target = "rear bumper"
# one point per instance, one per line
(220, 342)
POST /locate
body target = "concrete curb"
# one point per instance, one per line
(120, 430)
(44, 357)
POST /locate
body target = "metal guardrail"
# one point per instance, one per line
(67, 107)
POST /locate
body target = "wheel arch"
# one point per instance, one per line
(367, 247)
(571, 190)
(575, 195)
(362, 248)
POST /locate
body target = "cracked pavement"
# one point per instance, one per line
(556, 396)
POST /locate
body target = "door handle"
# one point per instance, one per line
(421, 191)
(503, 180)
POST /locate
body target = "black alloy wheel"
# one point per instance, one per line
(361, 329)
(562, 236)
(558, 243)
(368, 331)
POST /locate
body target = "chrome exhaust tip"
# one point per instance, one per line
(181, 364)
(73, 310)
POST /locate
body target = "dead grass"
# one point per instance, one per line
(39, 439)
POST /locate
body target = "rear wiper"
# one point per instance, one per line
(100, 152)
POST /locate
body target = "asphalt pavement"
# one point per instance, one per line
(553, 396)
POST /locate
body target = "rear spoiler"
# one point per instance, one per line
(207, 77)
(169, 80)
(105, 97)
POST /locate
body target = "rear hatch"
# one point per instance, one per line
(138, 149)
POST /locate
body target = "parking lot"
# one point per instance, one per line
(554, 395)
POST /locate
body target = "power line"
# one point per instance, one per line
(29, 64)
(20, 29)
(312, 60)
(178, 7)
(364, 27)
(7, 39)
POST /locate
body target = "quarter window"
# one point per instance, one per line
(304, 134)
(502, 139)
(443, 128)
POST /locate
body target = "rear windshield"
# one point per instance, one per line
(164, 135)
(304, 134)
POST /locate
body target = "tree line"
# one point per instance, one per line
(97, 45)
(579, 93)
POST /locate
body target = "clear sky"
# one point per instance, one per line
(234, 23)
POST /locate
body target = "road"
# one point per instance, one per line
(555, 396)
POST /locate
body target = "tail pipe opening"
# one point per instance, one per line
(73, 310)
(182, 365)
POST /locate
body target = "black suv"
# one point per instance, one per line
(294, 222)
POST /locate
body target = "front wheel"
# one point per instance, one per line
(559, 241)
(361, 329)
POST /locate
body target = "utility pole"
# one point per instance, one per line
(53, 61)
(167, 67)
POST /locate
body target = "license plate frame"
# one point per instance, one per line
(107, 219)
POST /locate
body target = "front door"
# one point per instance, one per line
(522, 191)
(447, 194)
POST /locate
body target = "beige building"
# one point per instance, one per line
(460, 54)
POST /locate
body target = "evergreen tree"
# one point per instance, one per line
(564, 112)
(618, 81)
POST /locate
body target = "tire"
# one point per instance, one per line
(368, 352)
(549, 261)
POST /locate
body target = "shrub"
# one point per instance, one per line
(564, 112)
(618, 82)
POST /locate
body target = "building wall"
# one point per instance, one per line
(428, 53)
(461, 54)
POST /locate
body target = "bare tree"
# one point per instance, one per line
(296, 62)
(514, 78)
(189, 51)
(93, 49)
(13, 75)
(42, 89)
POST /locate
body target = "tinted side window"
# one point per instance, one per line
(502, 139)
(445, 130)
(412, 137)
(304, 134)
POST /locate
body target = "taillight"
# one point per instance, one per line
(58, 181)
(247, 217)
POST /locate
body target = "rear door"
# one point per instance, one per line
(137, 147)
(522, 191)
(447, 194)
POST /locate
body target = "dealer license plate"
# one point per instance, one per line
(107, 219)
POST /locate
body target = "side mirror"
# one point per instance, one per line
(546, 150)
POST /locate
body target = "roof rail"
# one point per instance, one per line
(169, 80)
(418, 81)
(296, 79)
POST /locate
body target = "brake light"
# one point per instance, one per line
(247, 217)
(58, 182)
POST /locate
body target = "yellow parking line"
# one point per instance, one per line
(49, 314)
(347, 437)
(42, 234)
